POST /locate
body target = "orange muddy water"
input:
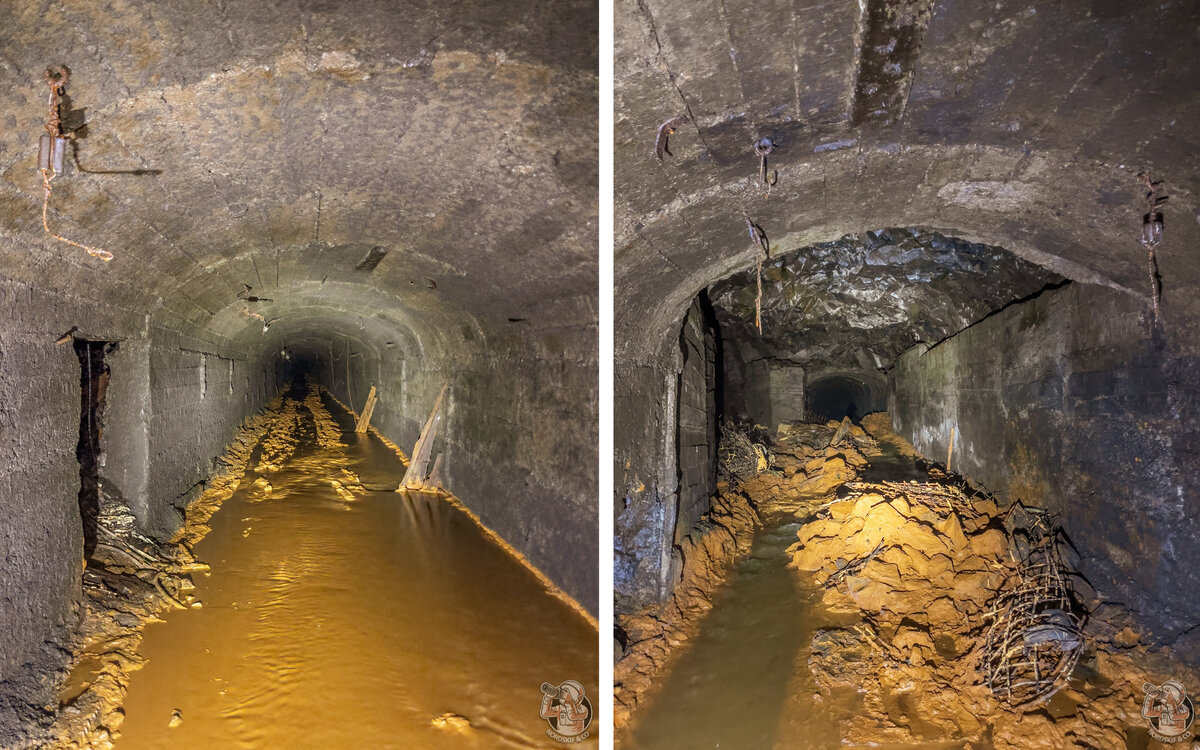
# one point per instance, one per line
(743, 682)
(341, 617)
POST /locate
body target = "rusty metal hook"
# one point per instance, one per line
(665, 131)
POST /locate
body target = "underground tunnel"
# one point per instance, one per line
(905, 375)
(270, 262)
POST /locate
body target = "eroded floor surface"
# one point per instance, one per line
(744, 681)
(865, 619)
(338, 614)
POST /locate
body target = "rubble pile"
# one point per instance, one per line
(921, 570)
(808, 464)
(927, 569)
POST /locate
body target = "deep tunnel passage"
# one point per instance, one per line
(979, 155)
(336, 612)
(902, 330)
(835, 318)
(836, 397)
(407, 205)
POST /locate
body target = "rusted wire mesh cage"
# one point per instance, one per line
(1034, 640)
(738, 457)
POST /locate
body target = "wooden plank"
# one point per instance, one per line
(417, 473)
(364, 419)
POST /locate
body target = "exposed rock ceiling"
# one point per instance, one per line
(862, 300)
(1021, 125)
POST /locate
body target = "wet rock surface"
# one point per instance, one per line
(903, 576)
(922, 564)
(864, 299)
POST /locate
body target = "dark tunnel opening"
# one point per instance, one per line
(763, 451)
(836, 397)
(1021, 377)
(94, 376)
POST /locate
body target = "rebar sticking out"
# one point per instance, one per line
(1152, 233)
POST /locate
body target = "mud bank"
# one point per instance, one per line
(804, 464)
(901, 582)
(922, 565)
(130, 581)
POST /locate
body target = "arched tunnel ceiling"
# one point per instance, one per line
(1016, 124)
(274, 145)
(863, 300)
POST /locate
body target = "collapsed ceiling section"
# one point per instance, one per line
(862, 300)
(1016, 125)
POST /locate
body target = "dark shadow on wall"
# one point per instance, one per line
(94, 375)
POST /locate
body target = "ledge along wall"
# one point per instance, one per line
(1071, 402)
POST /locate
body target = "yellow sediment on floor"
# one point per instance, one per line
(551, 587)
(879, 426)
(90, 713)
(657, 632)
(799, 477)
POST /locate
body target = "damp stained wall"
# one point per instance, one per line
(162, 429)
(517, 440)
(1071, 402)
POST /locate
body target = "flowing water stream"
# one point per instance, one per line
(743, 682)
(334, 619)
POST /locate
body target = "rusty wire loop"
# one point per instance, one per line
(766, 179)
(56, 79)
(266, 322)
(764, 245)
(1152, 233)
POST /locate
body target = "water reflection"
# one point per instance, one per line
(333, 623)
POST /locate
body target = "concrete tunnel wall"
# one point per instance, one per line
(517, 439)
(162, 429)
(1071, 402)
(1028, 135)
